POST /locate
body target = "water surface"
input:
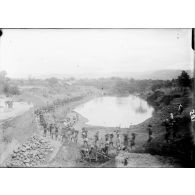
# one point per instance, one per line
(115, 111)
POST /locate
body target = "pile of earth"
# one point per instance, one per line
(32, 153)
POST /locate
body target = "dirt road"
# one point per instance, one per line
(18, 109)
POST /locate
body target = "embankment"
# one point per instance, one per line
(166, 102)
(15, 132)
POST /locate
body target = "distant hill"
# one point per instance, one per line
(159, 74)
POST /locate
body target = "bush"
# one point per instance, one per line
(176, 96)
(184, 79)
(11, 90)
(155, 95)
(185, 119)
(167, 99)
(14, 90)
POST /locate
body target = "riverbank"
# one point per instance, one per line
(14, 132)
(166, 102)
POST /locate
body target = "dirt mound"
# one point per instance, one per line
(32, 153)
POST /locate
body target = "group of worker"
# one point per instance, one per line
(171, 126)
(71, 121)
(50, 107)
(51, 128)
(170, 123)
(99, 148)
(56, 130)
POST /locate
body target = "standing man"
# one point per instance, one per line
(76, 132)
(44, 129)
(125, 141)
(171, 117)
(96, 138)
(56, 132)
(175, 127)
(63, 135)
(118, 141)
(50, 129)
(150, 133)
(111, 140)
(132, 141)
(180, 108)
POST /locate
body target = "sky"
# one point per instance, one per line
(37, 52)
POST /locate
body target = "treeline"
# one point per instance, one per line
(51, 82)
(182, 81)
(7, 86)
(113, 85)
(121, 86)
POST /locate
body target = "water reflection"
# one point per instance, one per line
(115, 111)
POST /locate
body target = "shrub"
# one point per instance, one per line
(11, 90)
(167, 99)
(184, 79)
(176, 96)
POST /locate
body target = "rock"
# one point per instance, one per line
(23, 149)
(27, 164)
(27, 160)
(30, 153)
(13, 156)
(28, 147)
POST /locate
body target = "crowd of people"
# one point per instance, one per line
(99, 149)
(171, 126)
(95, 150)
(57, 130)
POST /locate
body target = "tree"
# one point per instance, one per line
(2, 80)
(13, 90)
(6, 87)
(3, 75)
(155, 87)
(184, 79)
(52, 81)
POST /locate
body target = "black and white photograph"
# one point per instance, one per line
(97, 98)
